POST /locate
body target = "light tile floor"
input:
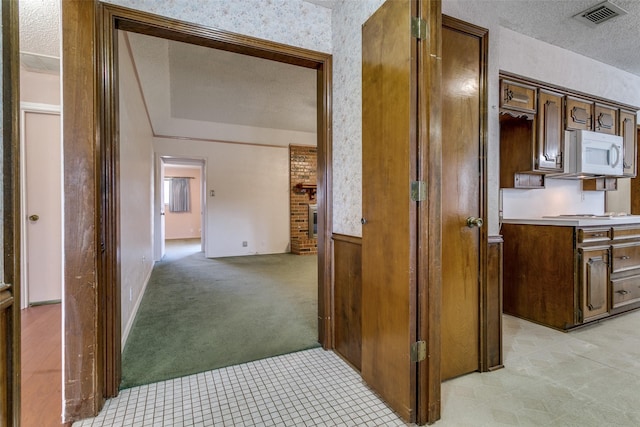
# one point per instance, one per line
(588, 377)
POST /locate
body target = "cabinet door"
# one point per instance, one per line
(594, 281)
(518, 97)
(628, 132)
(579, 114)
(605, 119)
(550, 132)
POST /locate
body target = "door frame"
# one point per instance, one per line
(90, 108)
(37, 108)
(199, 162)
(11, 213)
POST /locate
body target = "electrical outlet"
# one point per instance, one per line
(244, 244)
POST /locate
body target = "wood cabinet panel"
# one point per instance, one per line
(492, 307)
(594, 279)
(517, 97)
(347, 253)
(579, 114)
(605, 119)
(550, 132)
(539, 274)
(628, 132)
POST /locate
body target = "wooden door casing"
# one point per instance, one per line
(92, 337)
(389, 216)
(10, 220)
(463, 195)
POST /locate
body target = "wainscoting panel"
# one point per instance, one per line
(347, 261)
(492, 316)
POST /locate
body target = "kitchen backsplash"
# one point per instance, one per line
(559, 197)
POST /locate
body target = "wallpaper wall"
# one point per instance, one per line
(347, 21)
(292, 22)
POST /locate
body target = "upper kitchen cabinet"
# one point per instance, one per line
(628, 132)
(550, 132)
(517, 99)
(605, 119)
(533, 119)
(579, 114)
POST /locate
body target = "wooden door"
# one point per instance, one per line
(9, 220)
(463, 72)
(389, 216)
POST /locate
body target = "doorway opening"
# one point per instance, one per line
(262, 186)
(180, 223)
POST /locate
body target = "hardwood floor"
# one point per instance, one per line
(41, 366)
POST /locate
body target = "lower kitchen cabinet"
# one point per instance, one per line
(566, 276)
(593, 282)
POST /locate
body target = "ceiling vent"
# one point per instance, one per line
(599, 13)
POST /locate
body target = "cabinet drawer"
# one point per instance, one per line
(590, 235)
(621, 233)
(625, 257)
(625, 291)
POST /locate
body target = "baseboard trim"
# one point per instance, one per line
(134, 312)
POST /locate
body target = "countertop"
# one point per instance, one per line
(576, 222)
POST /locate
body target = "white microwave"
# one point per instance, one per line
(591, 153)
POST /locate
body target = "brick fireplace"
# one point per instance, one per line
(302, 171)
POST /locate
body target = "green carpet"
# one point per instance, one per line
(199, 314)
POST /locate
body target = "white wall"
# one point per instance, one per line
(39, 88)
(136, 193)
(251, 202)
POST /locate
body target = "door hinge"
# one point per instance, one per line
(418, 27)
(418, 191)
(418, 351)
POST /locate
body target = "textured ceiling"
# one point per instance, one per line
(614, 42)
(39, 22)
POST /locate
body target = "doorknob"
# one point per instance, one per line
(33, 218)
(363, 221)
(474, 222)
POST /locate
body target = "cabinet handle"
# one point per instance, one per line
(622, 292)
(623, 257)
(598, 235)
